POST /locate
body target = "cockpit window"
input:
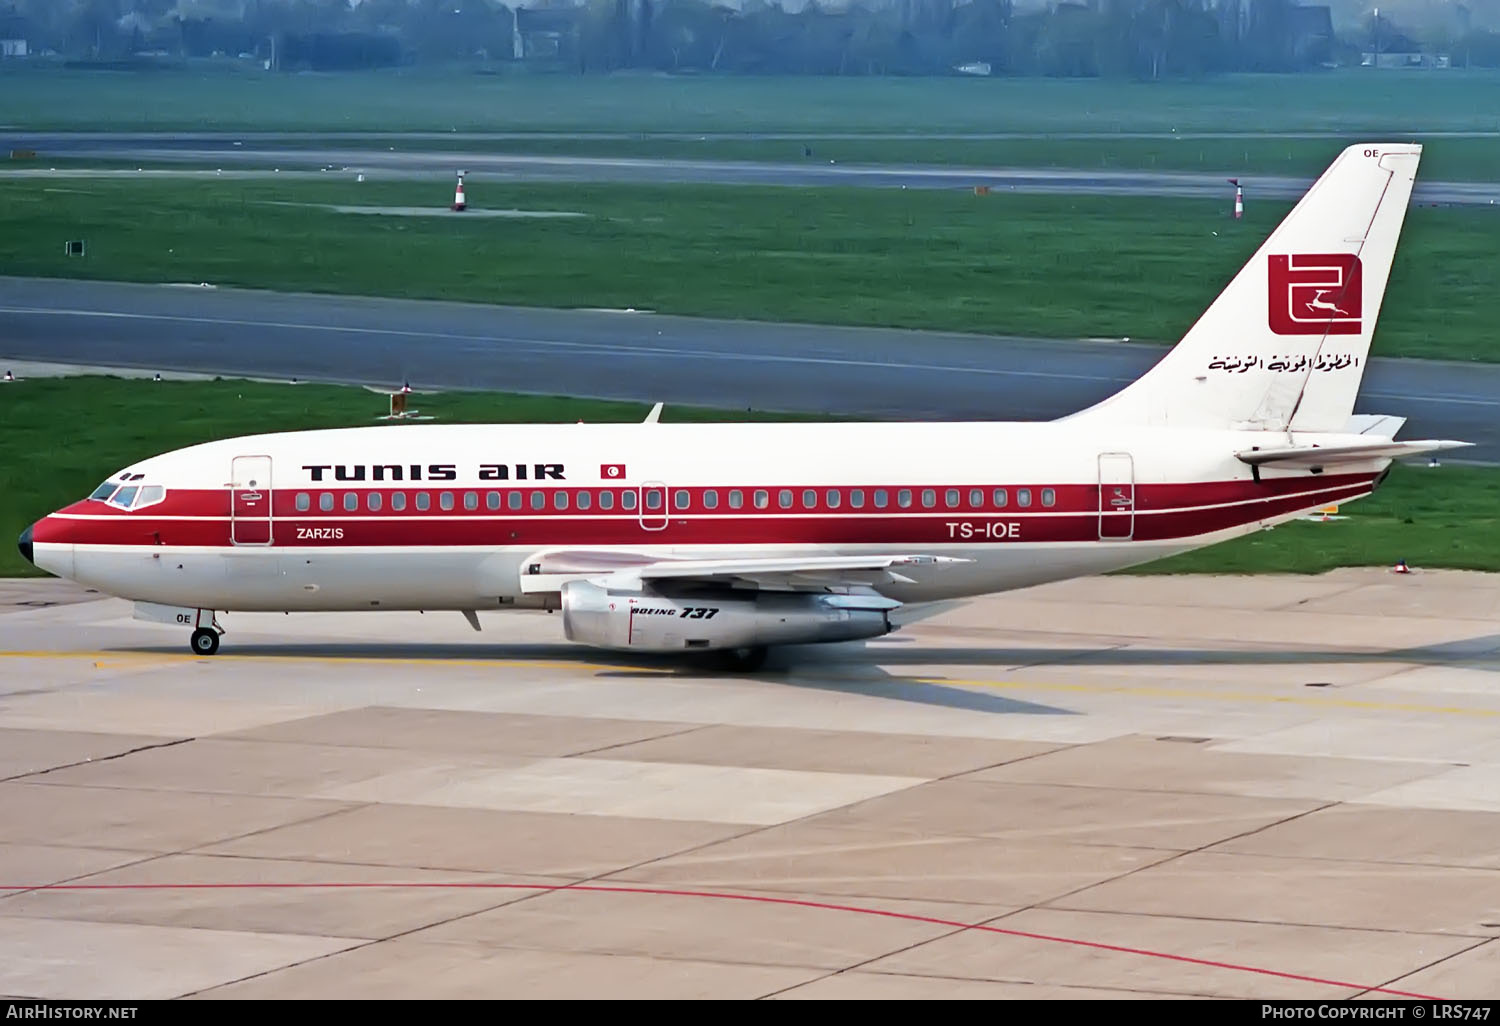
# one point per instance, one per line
(130, 496)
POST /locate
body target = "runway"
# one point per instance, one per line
(1270, 787)
(80, 140)
(873, 373)
(228, 150)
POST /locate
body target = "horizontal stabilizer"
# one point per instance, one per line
(1329, 455)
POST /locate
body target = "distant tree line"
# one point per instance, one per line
(1144, 39)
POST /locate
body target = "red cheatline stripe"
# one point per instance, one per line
(1075, 498)
(759, 898)
(912, 527)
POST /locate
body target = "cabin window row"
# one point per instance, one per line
(494, 501)
(759, 498)
(854, 498)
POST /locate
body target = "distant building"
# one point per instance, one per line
(12, 36)
(544, 32)
(1405, 59)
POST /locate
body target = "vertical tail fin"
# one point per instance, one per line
(1284, 347)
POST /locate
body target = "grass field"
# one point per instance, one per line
(235, 96)
(62, 436)
(1007, 264)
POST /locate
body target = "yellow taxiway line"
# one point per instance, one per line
(132, 660)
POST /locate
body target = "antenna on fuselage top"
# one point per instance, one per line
(654, 416)
(398, 402)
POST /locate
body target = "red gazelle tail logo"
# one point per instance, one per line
(1314, 293)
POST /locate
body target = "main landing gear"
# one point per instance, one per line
(743, 660)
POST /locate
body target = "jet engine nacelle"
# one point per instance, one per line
(593, 615)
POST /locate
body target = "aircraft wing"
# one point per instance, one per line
(1332, 455)
(788, 573)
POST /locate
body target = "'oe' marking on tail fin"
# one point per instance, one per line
(1314, 293)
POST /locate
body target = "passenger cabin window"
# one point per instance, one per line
(351, 502)
(710, 499)
(1049, 497)
(373, 501)
(627, 500)
(471, 500)
(784, 498)
(304, 502)
(809, 499)
(680, 499)
(929, 497)
(560, 500)
(513, 500)
(445, 500)
(1023, 496)
(976, 497)
(881, 498)
(762, 498)
(832, 497)
(423, 502)
(606, 500)
(492, 500)
(736, 498)
(538, 500)
(653, 499)
(325, 502)
(857, 498)
(398, 500)
(1000, 497)
(903, 498)
(951, 497)
(585, 500)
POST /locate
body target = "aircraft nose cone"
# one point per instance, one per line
(25, 545)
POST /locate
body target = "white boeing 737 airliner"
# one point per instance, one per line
(732, 537)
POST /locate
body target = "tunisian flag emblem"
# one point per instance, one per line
(612, 471)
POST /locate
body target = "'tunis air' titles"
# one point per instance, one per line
(433, 471)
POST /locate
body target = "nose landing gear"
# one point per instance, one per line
(205, 641)
(205, 623)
